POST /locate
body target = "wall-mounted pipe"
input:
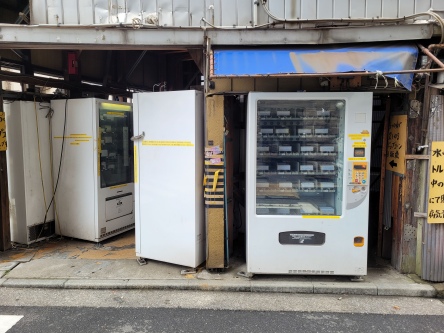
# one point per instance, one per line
(431, 56)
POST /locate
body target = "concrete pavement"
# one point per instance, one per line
(73, 264)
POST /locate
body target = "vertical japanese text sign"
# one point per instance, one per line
(396, 145)
(436, 184)
(3, 143)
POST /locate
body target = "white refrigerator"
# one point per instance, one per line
(308, 161)
(29, 171)
(168, 151)
(92, 168)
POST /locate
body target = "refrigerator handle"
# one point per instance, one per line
(138, 137)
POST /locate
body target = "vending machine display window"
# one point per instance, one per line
(116, 152)
(300, 148)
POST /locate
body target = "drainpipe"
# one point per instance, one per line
(430, 55)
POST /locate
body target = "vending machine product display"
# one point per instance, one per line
(93, 168)
(308, 160)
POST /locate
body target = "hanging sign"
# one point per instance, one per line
(397, 144)
(435, 201)
(3, 143)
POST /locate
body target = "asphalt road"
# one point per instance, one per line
(134, 311)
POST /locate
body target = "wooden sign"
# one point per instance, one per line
(3, 143)
(397, 144)
(435, 207)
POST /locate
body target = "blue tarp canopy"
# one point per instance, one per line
(257, 62)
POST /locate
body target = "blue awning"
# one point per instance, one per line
(257, 62)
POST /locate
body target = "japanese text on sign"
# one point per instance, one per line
(3, 143)
(396, 145)
(436, 184)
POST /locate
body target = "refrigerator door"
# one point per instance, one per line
(308, 156)
(168, 145)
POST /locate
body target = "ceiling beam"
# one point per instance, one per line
(101, 38)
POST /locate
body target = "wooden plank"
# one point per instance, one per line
(381, 186)
(417, 157)
(5, 229)
(215, 216)
(410, 193)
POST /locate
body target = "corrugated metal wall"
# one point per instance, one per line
(188, 13)
(433, 234)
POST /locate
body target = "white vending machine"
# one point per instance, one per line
(29, 171)
(168, 149)
(308, 161)
(93, 168)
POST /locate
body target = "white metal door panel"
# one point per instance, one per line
(169, 204)
(165, 8)
(407, 8)
(390, 8)
(308, 9)
(101, 12)
(86, 11)
(357, 9)
(277, 8)
(325, 9)
(55, 13)
(197, 11)
(148, 6)
(244, 13)
(292, 10)
(341, 9)
(374, 8)
(70, 12)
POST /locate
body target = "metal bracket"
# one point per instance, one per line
(141, 261)
(245, 274)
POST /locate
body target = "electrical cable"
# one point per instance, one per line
(40, 165)
(60, 162)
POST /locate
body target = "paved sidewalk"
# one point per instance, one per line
(73, 264)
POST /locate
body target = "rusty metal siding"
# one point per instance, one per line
(433, 234)
(188, 13)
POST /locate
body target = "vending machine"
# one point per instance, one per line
(92, 168)
(308, 160)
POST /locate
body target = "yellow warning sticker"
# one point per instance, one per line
(167, 143)
(74, 136)
(356, 158)
(320, 216)
(359, 136)
(118, 114)
(360, 144)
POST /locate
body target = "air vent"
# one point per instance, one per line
(41, 231)
(310, 272)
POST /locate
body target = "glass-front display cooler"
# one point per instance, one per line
(307, 182)
(93, 167)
